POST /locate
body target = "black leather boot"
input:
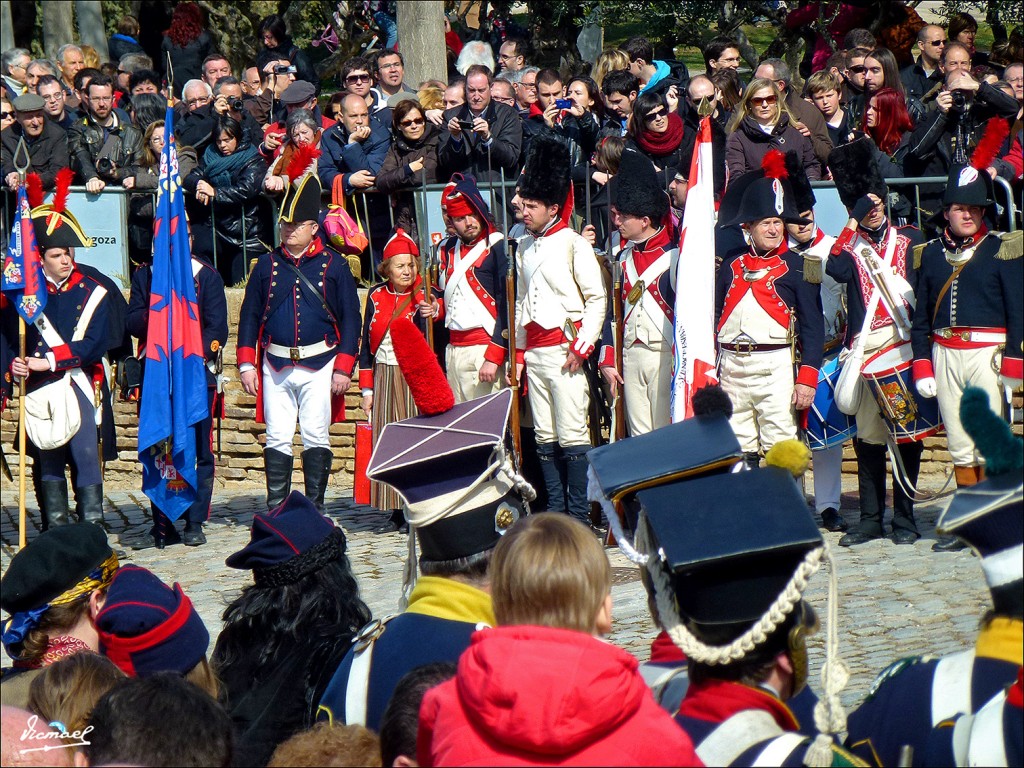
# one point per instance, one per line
(163, 531)
(871, 486)
(752, 459)
(316, 469)
(904, 529)
(53, 503)
(278, 467)
(576, 482)
(548, 454)
(89, 504)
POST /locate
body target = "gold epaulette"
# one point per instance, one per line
(1012, 246)
(814, 269)
(918, 254)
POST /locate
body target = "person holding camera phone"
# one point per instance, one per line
(949, 133)
(554, 114)
(483, 136)
(104, 149)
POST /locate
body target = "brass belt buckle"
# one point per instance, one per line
(293, 353)
(965, 335)
(945, 333)
(749, 348)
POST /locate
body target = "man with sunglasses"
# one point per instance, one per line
(925, 74)
(356, 79)
(853, 77)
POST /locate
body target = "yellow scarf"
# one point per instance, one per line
(452, 600)
(1002, 639)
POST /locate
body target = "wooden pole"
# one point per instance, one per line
(21, 440)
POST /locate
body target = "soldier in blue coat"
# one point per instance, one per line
(917, 694)
(65, 347)
(298, 331)
(213, 318)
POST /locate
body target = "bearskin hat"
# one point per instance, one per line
(546, 176)
(636, 189)
(856, 172)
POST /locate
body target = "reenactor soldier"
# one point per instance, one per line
(471, 276)
(639, 209)
(873, 258)
(298, 331)
(765, 311)
(560, 308)
(916, 695)
(213, 319)
(66, 375)
(970, 310)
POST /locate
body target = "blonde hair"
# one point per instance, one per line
(67, 691)
(743, 108)
(609, 61)
(430, 97)
(823, 81)
(91, 56)
(330, 745)
(203, 676)
(549, 570)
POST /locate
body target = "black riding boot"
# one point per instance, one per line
(548, 453)
(316, 469)
(576, 482)
(89, 504)
(278, 467)
(53, 503)
(871, 488)
(904, 528)
(164, 532)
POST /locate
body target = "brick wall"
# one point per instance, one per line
(242, 439)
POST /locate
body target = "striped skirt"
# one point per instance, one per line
(392, 401)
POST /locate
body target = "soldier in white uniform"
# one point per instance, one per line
(472, 276)
(560, 308)
(640, 213)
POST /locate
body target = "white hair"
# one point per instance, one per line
(64, 49)
(475, 52)
(192, 84)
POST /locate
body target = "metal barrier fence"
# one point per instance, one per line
(105, 215)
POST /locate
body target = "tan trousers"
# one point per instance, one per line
(559, 400)
(955, 370)
(760, 386)
(463, 367)
(647, 374)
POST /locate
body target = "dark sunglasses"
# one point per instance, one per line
(655, 115)
(6, 115)
(411, 122)
(758, 101)
(859, 69)
(357, 79)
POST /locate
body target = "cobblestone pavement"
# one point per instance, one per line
(894, 601)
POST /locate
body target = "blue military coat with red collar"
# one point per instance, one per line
(783, 294)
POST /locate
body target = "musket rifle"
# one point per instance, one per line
(218, 372)
(425, 249)
(618, 331)
(513, 379)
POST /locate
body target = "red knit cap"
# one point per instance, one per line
(400, 244)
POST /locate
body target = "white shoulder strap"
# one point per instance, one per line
(88, 311)
(987, 740)
(777, 750)
(358, 688)
(951, 686)
(736, 735)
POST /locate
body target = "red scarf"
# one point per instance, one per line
(661, 144)
(716, 701)
(954, 243)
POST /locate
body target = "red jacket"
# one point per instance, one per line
(528, 695)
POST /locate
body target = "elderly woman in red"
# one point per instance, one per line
(381, 381)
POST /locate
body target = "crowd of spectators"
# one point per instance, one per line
(378, 136)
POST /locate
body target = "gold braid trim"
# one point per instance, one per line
(100, 577)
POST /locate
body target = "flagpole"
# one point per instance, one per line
(22, 538)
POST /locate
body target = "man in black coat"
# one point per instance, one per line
(47, 143)
(482, 137)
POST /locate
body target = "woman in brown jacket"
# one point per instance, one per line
(413, 152)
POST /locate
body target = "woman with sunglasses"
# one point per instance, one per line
(762, 122)
(657, 132)
(412, 153)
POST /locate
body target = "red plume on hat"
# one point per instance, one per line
(774, 165)
(301, 160)
(427, 382)
(34, 190)
(63, 182)
(991, 141)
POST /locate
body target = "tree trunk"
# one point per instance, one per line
(421, 36)
(6, 26)
(90, 26)
(58, 25)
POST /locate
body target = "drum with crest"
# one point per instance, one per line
(908, 416)
(827, 426)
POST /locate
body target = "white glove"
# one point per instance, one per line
(1013, 384)
(926, 387)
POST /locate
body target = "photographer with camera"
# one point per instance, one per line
(950, 133)
(265, 107)
(195, 128)
(104, 148)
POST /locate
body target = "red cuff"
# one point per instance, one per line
(607, 358)
(922, 369)
(440, 307)
(366, 378)
(583, 349)
(345, 364)
(246, 355)
(495, 354)
(1012, 368)
(807, 376)
(520, 357)
(61, 353)
(844, 239)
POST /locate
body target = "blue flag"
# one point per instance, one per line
(22, 277)
(174, 378)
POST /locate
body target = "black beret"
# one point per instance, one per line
(52, 564)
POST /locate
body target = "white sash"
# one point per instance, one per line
(897, 285)
(951, 686)
(454, 282)
(736, 735)
(778, 750)
(53, 338)
(648, 302)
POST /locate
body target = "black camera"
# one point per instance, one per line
(105, 166)
(466, 125)
(235, 104)
(961, 101)
(284, 69)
